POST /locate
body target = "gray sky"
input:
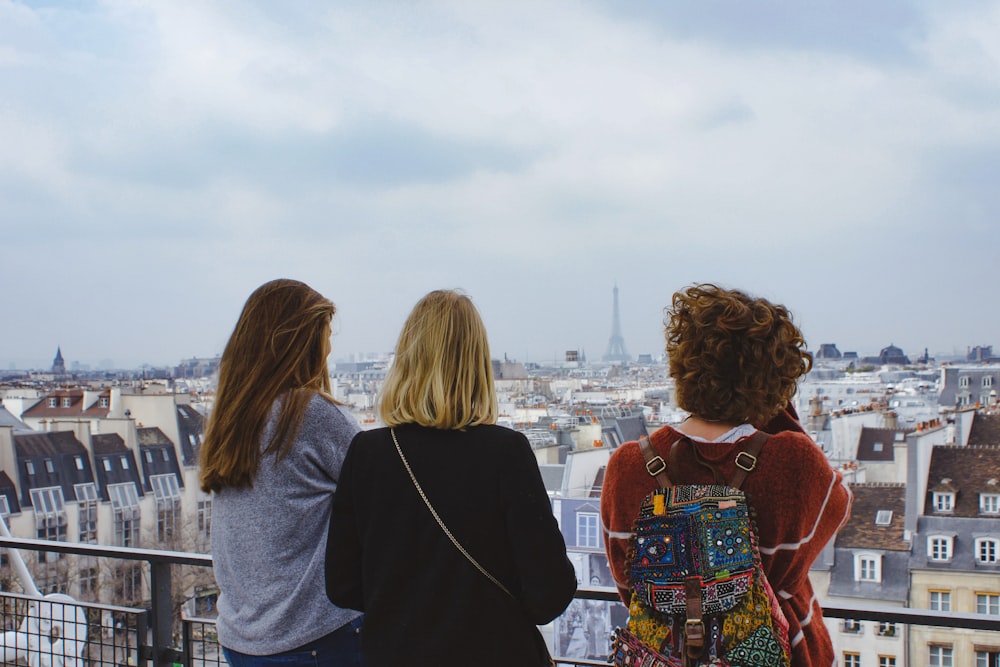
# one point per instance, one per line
(160, 160)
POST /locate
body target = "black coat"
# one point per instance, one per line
(424, 603)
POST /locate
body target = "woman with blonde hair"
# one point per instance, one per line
(273, 451)
(442, 531)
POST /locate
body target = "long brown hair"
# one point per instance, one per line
(442, 375)
(277, 351)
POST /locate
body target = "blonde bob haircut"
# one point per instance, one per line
(442, 376)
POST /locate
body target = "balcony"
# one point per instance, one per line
(58, 633)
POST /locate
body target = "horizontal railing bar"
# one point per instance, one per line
(123, 553)
(903, 615)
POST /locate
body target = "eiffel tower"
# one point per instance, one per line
(616, 344)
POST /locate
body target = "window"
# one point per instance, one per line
(124, 460)
(989, 503)
(86, 504)
(165, 454)
(877, 447)
(963, 381)
(78, 460)
(49, 466)
(944, 502)
(50, 519)
(29, 467)
(125, 507)
(883, 518)
(205, 519)
(987, 549)
(988, 603)
(886, 629)
(939, 548)
(587, 530)
(67, 401)
(103, 401)
(851, 625)
(987, 658)
(887, 661)
(149, 456)
(53, 402)
(88, 582)
(107, 465)
(852, 659)
(940, 656)
(987, 380)
(168, 505)
(4, 510)
(867, 567)
(128, 583)
(940, 600)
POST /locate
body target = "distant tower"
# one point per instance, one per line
(58, 365)
(616, 344)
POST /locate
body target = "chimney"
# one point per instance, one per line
(890, 420)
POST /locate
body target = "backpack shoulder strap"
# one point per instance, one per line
(655, 465)
(746, 459)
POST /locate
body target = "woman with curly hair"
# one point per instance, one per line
(736, 361)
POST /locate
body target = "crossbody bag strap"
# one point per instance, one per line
(655, 465)
(423, 496)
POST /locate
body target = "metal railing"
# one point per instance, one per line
(137, 636)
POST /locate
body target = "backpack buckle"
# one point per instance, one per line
(655, 466)
(694, 635)
(741, 461)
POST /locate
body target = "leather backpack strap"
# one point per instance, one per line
(746, 459)
(655, 465)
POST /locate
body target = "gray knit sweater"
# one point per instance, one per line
(269, 541)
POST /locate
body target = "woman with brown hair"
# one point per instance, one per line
(442, 531)
(735, 361)
(272, 456)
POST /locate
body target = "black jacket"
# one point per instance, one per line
(424, 603)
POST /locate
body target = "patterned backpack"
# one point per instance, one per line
(699, 594)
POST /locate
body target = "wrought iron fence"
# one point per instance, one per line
(58, 631)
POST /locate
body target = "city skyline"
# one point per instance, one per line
(164, 159)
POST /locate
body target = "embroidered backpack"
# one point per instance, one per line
(699, 594)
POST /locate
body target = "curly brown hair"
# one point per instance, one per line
(734, 358)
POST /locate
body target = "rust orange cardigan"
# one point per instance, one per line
(800, 501)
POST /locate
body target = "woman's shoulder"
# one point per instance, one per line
(323, 412)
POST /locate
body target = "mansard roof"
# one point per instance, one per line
(965, 471)
(107, 443)
(869, 441)
(861, 531)
(985, 429)
(8, 419)
(55, 443)
(152, 436)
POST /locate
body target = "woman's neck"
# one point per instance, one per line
(704, 428)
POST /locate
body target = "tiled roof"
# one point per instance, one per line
(861, 531)
(875, 444)
(966, 471)
(30, 445)
(108, 443)
(985, 430)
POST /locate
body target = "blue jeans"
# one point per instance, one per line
(340, 648)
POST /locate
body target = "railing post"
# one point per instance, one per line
(163, 620)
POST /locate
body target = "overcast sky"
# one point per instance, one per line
(159, 160)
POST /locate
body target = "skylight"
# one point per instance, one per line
(883, 517)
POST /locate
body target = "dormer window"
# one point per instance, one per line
(988, 550)
(944, 501)
(877, 447)
(53, 402)
(883, 518)
(963, 381)
(67, 401)
(939, 548)
(987, 380)
(868, 567)
(989, 503)
(124, 463)
(103, 401)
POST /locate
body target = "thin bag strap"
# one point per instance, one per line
(437, 518)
